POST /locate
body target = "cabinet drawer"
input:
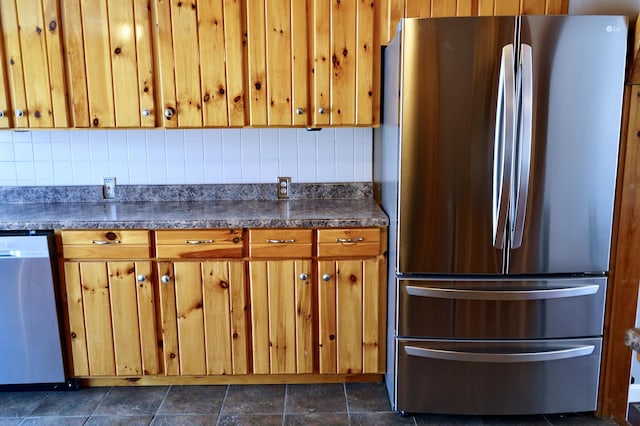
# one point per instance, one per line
(349, 242)
(199, 243)
(105, 243)
(280, 242)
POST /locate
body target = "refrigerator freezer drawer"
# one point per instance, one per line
(498, 377)
(512, 309)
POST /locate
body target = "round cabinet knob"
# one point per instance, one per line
(165, 279)
(322, 110)
(141, 278)
(146, 113)
(19, 113)
(299, 111)
(326, 277)
(304, 277)
(169, 112)
(1, 114)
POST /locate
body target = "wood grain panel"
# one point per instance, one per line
(349, 316)
(75, 309)
(189, 310)
(321, 70)
(75, 63)
(234, 30)
(257, 61)
(144, 50)
(532, 7)
(217, 316)
(239, 326)
(57, 82)
(372, 316)
(163, 56)
(5, 122)
(282, 320)
(13, 56)
(35, 63)
(98, 61)
(184, 24)
(147, 319)
(97, 316)
(124, 314)
(485, 7)
(467, 8)
(124, 64)
(444, 8)
(258, 285)
(557, 7)
(304, 318)
(417, 8)
(168, 321)
(279, 82)
(506, 8)
(212, 70)
(343, 62)
(301, 47)
(327, 317)
(364, 63)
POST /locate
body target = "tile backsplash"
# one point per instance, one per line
(201, 156)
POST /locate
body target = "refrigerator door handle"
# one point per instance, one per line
(524, 151)
(499, 357)
(458, 294)
(503, 145)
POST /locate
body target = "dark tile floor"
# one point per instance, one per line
(326, 404)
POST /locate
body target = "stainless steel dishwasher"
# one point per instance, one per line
(31, 353)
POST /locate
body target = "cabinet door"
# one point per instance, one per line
(281, 316)
(350, 316)
(33, 58)
(202, 317)
(109, 63)
(111, 318)
(199, 53)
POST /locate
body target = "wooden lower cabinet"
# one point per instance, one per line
(350, 316)
(281, 316)
(111, 311)
(205, 306)
(202, 317)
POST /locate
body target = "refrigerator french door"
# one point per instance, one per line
(496, 164)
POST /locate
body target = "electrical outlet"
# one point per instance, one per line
(109, 187)
(284, 187)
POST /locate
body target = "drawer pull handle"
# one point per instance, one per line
(280, 241)
(453, 293)
(452, 355)
(103, 242)
(165, 279)
(348, 241)
(199, 242)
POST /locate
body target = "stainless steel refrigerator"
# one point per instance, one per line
(496, 163)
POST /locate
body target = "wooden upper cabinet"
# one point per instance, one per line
(32, 90)
(200, 53)
(109, 63)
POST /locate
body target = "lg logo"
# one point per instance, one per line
(613, 29)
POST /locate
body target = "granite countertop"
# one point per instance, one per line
(199, 211)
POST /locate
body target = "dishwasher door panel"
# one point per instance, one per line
(29, 332)
(501, 309)
(498, 377)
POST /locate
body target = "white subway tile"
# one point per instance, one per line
(80, 150)
(23, 136)
(6, 136)
(176, 174)
(120, 170)
(138, 172)
(8, 173)
(288, 154)
(6, 151)
(325, 155)
(42, 151)
(26, 173)
(64, 136)
(194, 151)
(23, 151)
(104, 136)
(251, 159)
(232, 157)
(137, 148)
(44, 172)
(61, 151)
(63, 172)
(194, 173)
(99, 170)
(40, 136)
(157, 172)
(307, 167)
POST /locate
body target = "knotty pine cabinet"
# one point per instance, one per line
(281, 289)
(194, 64)
(202, 302)
(351, 300)
(179, 304)
(110, 303)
